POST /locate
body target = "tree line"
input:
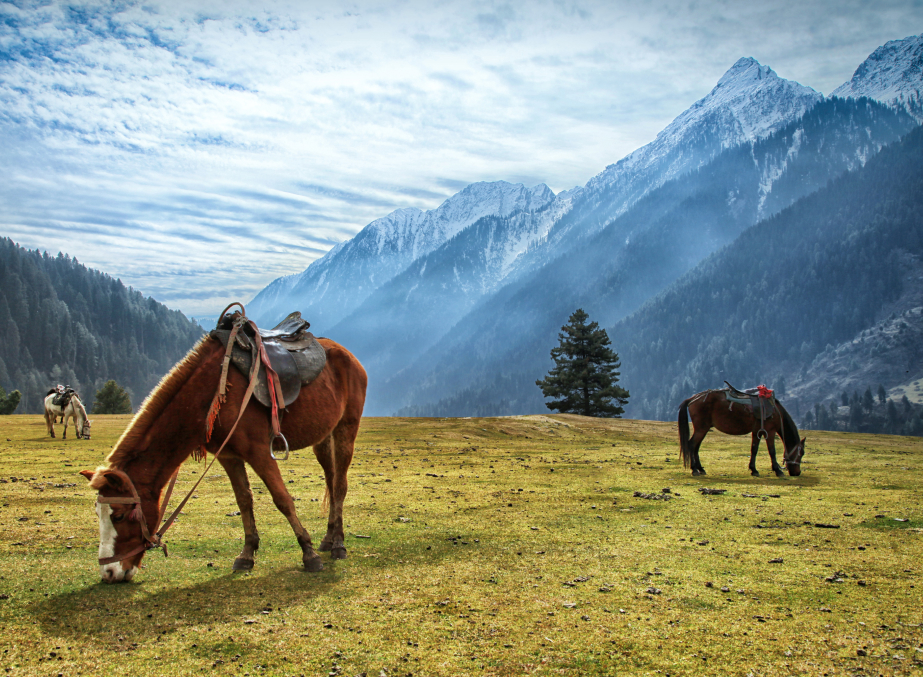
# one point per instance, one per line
(65, 323)
(867, 413)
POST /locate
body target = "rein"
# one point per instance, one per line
(156, 540)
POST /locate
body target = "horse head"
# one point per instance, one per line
(793, 457)
(121, 524)
(84, 432)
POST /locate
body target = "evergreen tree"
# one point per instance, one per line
(584, 376)
(8, 403)
(112, 399)
(882, 394)
(868, 400)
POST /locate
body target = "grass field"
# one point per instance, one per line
(501, 546)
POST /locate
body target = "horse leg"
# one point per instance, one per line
(754, 447)
(237, 472)
(338, 453)
(268, 470)
(771, 445)
(50, 423)
(696, 442)
(66, 421)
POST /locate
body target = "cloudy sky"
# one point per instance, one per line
(198, 150)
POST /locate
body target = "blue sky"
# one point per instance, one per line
(198, 150)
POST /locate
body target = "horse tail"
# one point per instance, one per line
(325, 503)
(685, 448)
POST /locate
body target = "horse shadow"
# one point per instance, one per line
(124, 615)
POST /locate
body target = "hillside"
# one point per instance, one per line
(610, 274)
(65, 323)
(777, 302)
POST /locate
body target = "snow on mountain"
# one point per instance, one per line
(749, 102)
(892, 74)
(334, 285)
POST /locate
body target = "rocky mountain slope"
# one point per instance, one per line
(892, 74)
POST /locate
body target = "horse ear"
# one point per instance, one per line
(803, 439)
(104, 477)
(88, 474)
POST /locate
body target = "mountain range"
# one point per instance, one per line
(454, 310)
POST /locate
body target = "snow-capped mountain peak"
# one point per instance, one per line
(892, 74)
(335, 284)
(748, 103)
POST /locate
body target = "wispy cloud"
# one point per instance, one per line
(199, 150)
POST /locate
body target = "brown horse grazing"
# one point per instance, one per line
(171, 425)
(712, 409)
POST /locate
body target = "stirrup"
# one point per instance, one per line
(272, 441)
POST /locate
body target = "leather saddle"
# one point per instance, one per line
(294, 354)
(63, 399)
(750, 397)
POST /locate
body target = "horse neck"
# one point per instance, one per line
(163, 435)
(789, 432)
(79, 412)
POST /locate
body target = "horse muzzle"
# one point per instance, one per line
(114, 573)
(794, 469)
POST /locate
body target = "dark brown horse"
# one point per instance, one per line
(712, 409)
(171, 425)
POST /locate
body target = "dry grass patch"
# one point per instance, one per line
(501, 546)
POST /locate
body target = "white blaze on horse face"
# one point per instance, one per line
(107, 535)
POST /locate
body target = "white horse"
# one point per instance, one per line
(74, 409)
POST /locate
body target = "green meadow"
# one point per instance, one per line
(545, 545)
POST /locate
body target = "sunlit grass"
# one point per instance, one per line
(484, 546)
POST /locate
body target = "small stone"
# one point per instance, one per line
(653, 591)
(776, 560)
(709, 584)
(725, 588)
(861, 652)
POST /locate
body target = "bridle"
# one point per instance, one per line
(137, 514)
(155, 541)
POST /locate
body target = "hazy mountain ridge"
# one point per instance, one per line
(334, 285)
(611, 273)
(817, 274)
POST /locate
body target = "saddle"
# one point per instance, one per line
(759, 403)
(294, 354)
(63, 399)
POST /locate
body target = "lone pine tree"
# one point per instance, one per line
(583, 380)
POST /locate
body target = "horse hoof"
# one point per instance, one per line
(325, 546)
(755, 473)
(338, 552)
(313, 564)
(241, 564)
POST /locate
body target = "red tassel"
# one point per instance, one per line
(764, 391)
(136, 515)
(213, 415)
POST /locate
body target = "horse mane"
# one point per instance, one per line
(79, 405)
(154, 404)
(789, 429)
